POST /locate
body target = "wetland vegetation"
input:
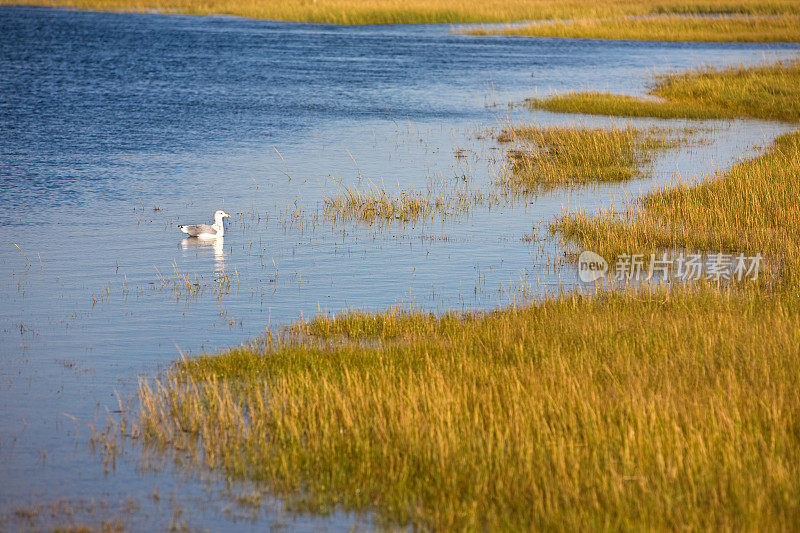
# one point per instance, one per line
(427, 11)
(373, 203)
(620, 408)
(752, 208)
(565, 155)
(667, 406)
(769, 91)
(738, 28)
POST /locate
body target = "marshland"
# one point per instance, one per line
(392, 331)
(436, 11)
(657, 27)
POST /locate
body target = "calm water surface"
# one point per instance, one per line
(114, 128)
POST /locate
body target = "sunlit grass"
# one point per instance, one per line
(563, 155)
(752, 209)
(374, 204)
(785, 28)
(421, 11)
(769, 91)
(624, 411)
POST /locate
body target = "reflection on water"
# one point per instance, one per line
(100, 111)
(215, 246)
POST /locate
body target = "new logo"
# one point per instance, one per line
(591, 266)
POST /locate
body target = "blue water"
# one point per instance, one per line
(114, 128)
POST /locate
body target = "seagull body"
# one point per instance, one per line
(207, 231)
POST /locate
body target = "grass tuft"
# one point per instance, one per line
(558, 155)
(375, 205)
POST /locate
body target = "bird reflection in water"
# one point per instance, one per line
(217, 246)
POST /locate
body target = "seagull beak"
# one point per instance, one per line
(227, 215)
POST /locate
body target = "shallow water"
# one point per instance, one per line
(117, 127)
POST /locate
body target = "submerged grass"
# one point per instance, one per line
(425, 11)
(742, 28)
(618, 410)
(374, 204)
(562, 155)
(770, 91)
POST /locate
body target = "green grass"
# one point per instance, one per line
(770, 91)
(424, 11)
(741, 28)
(561, 155)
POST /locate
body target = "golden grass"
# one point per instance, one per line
(623, 411)
(770, 91)
(373, 204)
(422, 11)
(753, 208)
(560, 155)
(742, 28)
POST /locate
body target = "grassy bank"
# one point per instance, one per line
(751, 209)
(421, 11)
(558, 156)
(622, 410)
(765, 92)
(785, 28)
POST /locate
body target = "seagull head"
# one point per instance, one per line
(219, 215)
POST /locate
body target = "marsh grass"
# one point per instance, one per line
(768, 91)
(73, 516)
(544, 157)
(752, 209)
(743, 28)
(425, 11)
(374, 204)
(622, 410)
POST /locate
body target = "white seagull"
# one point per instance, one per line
(206, 231)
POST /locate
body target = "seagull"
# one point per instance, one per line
(205, 231)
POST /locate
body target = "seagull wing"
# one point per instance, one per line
(198, 229)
